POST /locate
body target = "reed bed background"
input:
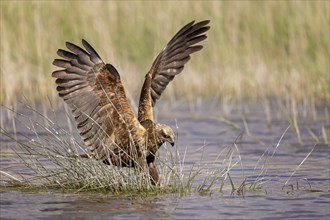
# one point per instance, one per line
(256, 50)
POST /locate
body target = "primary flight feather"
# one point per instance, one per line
(105, 120)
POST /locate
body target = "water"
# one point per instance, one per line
(289, 190)
(18, 205)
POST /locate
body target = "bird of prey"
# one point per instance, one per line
(94, 92)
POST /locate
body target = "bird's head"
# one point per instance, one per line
(165, 134)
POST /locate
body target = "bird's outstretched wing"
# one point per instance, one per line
(95, 94)
(169, 63)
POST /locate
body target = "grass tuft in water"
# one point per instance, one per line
(49, 157)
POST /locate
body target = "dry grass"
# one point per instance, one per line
(254, 50)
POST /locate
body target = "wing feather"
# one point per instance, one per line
(96, 96)
(60, 74)
(169, 63)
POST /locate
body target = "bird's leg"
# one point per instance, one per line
(152, 169)
(141, 167)
(153, 173)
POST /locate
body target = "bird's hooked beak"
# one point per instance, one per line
(171, 141)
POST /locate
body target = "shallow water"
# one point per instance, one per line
(304, 193)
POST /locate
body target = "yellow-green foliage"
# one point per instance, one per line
(255, 49)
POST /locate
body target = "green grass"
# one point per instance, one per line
(254, 49)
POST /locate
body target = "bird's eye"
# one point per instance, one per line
(165, 134)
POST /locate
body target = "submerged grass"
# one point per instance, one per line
(254, 49)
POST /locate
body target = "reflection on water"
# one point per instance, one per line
(307, 194)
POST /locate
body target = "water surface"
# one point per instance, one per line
(289, 190)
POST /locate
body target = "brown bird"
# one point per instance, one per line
(105, 120)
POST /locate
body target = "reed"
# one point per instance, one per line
(313, 135)
(255, 50)
(325, 135)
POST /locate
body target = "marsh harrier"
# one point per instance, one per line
(105, 120)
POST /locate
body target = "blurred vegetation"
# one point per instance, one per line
(258, 49)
